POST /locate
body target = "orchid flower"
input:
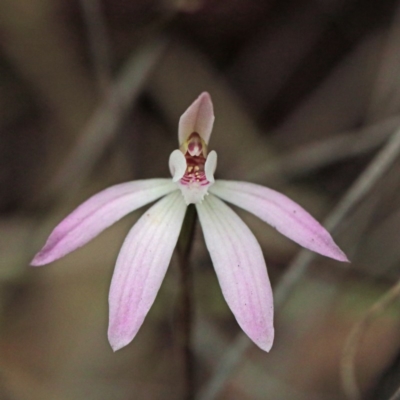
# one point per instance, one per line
(147, 250)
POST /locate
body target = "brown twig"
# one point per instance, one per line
(396, 395)
(103, 124)
(319, 154)
(98, 42)
(385, 96)
(347, 365)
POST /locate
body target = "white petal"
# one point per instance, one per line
(194, 192)
(141, 267)
(282, 213)
(210, 166)
(177, 165)
(199, 117)
(241, 269)
(98, 213)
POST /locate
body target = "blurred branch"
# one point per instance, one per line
(347, 367)
(385, 98)
(210, 346)
(281, 42)
(371, 175)
(396, 395)
(42, 50)
(338, 103)
(98, 42)
(45, 56)
(104, 123)
(319, 154)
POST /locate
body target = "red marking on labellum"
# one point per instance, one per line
(195, 155)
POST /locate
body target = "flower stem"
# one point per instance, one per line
(185, 242)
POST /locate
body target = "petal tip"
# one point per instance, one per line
(335, 252)
(341, 256)
(36, 261)
(41, 258)
(265, 343)
(50, 252)
(204, 96)
(118, 342)
(199, 118)
(116, 346)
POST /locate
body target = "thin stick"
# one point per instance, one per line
(396, 395)
(365, 182)
(384, 99)
(105, 121)
(347, 365)
(316, 155)
(98, 42)
(185, 244)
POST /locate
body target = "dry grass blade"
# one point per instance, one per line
(98, 42)
(230, 360)
(339, 102)
(371, 175)
(282, 42)
(347, 368)
(396, 395)
(104, 123)
(385, 99)
(319, 154)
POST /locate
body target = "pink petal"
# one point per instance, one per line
(199, 117)
(98, 213)
(141, 267)
(241, 269)
(280, 212)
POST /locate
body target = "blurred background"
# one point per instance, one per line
(307, 101)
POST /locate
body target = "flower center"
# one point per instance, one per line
(195, 152)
